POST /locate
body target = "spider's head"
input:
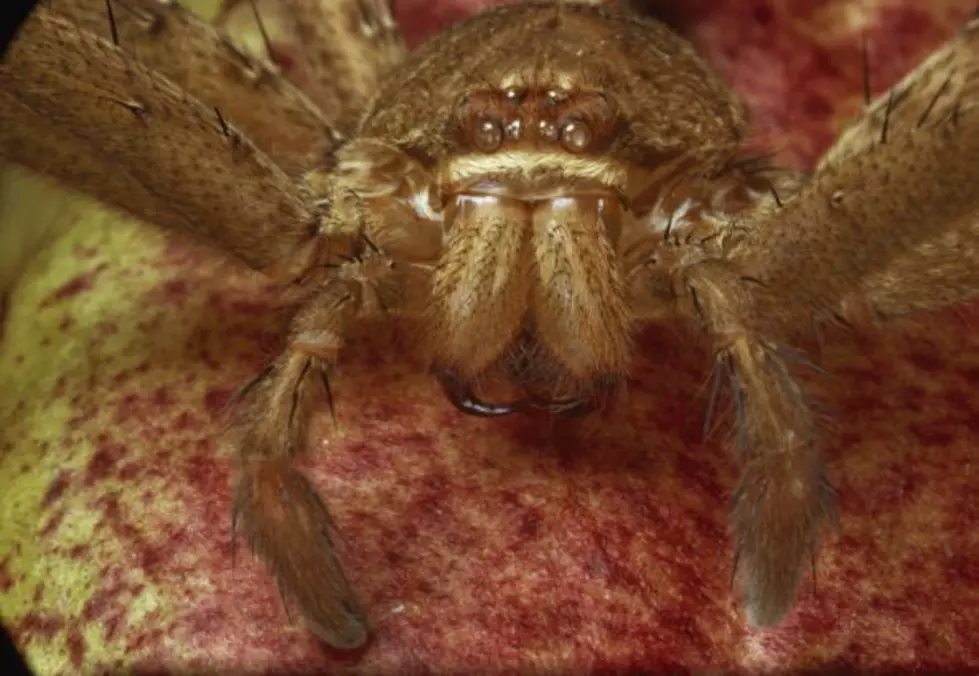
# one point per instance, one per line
(512, 158)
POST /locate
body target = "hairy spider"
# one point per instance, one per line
(529, 187)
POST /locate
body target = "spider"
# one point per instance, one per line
(529, 208)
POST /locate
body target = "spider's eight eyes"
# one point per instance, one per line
(578, 122)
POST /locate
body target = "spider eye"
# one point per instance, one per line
(556, 96)
(514, 96)
(575, 136)
(547, 130)
(488, 135)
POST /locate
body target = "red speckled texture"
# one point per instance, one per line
(504, 546)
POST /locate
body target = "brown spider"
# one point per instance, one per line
(529, 186)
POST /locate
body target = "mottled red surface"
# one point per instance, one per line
(495, 546)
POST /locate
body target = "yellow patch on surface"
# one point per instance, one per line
(52, 543)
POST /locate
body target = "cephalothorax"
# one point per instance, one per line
(529, 187)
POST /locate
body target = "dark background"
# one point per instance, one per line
(12, 15)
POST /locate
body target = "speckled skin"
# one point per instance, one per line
(501, 545)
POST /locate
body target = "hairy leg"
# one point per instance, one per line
(95, 95)
(784, 497)
(79, 109)
(890, 222)
(345, 48)
(277, 509)
(250, 93)
(941, 269)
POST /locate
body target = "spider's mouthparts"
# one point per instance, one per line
(547, 259)
(460, 394)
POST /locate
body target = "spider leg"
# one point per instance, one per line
(250, 93)
(77, 108)
(783, 497)
(939, 96)
(346, 47)
(890, 219)
(84, 102)
(276, 507)
(890, 222)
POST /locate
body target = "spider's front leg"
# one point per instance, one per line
(888, 225)
(276, 507)
(784, 497)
